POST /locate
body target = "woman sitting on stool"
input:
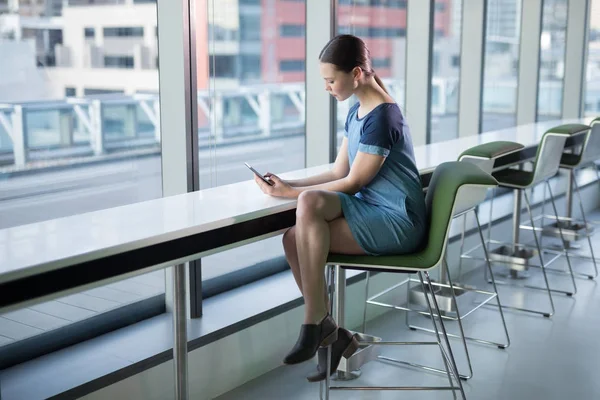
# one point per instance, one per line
(371, 202)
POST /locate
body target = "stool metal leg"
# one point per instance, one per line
(459, 318)
(489, 268)
(449, 355)
(331, 291)
(364, 324)
(437, 334)
(540, 254)
(462, 243)
(562, 237)
(542, 267)
(586, 224)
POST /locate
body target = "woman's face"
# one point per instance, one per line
(339, 84)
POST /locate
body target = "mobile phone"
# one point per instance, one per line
(265, 180)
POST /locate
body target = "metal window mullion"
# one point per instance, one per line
(529, 61)
(320, 122)
(472, 58)
(419, 49)
(575, 58)
(178, 119)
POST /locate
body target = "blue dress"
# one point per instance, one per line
(387, 216)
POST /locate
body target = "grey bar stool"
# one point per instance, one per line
(454, 186)
(575, 229)
(516, 255)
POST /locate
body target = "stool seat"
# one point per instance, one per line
(492, 150)
(447, 180)
(514, 178)
(571, 129)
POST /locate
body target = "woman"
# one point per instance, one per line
(371, 202)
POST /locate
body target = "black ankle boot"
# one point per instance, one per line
(345, 346)
(311, 337)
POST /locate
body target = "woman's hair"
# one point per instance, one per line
(347, 52)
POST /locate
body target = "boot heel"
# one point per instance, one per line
(351, 349)
(330, 339)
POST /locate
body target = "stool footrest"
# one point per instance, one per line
(367, 351)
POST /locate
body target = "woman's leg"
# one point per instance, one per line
(315, 211)
(291, 255)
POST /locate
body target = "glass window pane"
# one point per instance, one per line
(84, 96)
(251, 82)
(592, 76)
(382, 25)
(501, 68)
(552, 59)
(446, 70)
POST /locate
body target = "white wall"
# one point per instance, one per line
(129, 80)
(20, 79)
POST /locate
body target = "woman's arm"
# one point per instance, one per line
(364, 169)
(340, 169)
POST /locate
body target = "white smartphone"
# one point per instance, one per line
(265, 180)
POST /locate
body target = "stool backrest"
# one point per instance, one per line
(484, 156)
(591, 144)
(452, 186)
(548, 156)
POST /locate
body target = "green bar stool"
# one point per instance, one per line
(484, 156)
(454, 186)
(516, 255)
(447, 292)
(575, 229)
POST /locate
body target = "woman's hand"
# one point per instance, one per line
(279, 187)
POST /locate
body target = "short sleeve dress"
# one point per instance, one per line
(387, 216)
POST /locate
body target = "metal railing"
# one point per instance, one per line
(102, 124)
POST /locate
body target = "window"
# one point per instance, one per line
(384, 32)
(250, 27)
(58, 134)
(552, 59)
(382, 62)
(456, 61)
(592, 73)
(118, 62)
(250, 67)
(95, 92)
(501, 61)
(376, 3)
(124, 32)
(445, 72)
(373, 32)
(89, 33)
(292, 31)
(223, 66)
(251, 108)
(291, 65)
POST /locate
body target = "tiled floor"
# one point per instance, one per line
(549, 358)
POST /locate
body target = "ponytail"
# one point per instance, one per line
(380, 83)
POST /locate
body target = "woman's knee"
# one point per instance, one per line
(310, 204)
